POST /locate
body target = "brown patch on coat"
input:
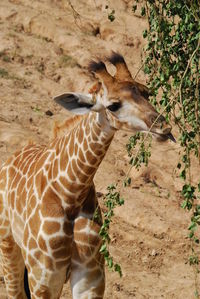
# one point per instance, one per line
(67, 228)
(32, 244)
(16, 180)
(32, 202)
(87, 239)
(31, 261)
(91, 158)
(32, 282)
(80, 164)
(41, 182)
(90, 202)
(19, 205)
(51, 227)
(81, 156)
(3, 176)
(71, 144)
(63, 263)
(70, 173)
(55, 168)
(64, 157)
(62, 253)
(3, 231)
(1, 203)
(80, 136)
(48, 262)
(35, 223)
(58, 242)
(96, 130)
(51, 204)
(72, 187)
(21, 186)
(85, 145)
(43, 292)
(40, 162)
(81, 252)
(26, 235)
(11, 199)
(42, 244)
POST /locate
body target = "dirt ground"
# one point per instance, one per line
(45, 46)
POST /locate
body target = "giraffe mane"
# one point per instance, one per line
(95, 88)
(61, 128)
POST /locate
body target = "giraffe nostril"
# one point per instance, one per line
(159, 124)
(157, 119)
(154, 118)
(161, 118)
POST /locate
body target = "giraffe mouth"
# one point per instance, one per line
(164, 137)
(171, 137)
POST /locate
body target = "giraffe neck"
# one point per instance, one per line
(79, 154)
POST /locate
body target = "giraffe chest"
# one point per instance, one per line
(38, 192)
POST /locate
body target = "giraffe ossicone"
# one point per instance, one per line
(47, 194)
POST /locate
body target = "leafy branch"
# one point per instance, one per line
(111, 200)
(172, 65)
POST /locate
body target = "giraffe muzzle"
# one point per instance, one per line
(171, 137)
(164, 137)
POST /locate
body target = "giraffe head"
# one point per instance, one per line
(123, 100)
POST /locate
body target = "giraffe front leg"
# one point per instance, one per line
(45, 281)
(13, 268)
(47, 259)
(87, 272)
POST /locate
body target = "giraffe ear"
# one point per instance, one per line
(77, 103)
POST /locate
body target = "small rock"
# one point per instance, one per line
(49, 113)
(56, 77)
(121, 172)
(145, 259)
(99, 194)
(118, 287)
(2, 279)
(154, 253)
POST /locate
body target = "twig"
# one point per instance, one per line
(76, 15)
(138, 70)
(147, 134)
(179, 91)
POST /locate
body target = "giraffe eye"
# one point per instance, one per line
(114, 107)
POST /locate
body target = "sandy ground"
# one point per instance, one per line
(45, 47)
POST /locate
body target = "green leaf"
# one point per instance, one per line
(127, 182)
(111, 16)
(145, 33)
(103, 248)
(193, 226)
(184, 204)
(143, 11)
(134, 8)
(110, 262)
(118, 269)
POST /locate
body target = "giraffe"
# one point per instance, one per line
(47, 194)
